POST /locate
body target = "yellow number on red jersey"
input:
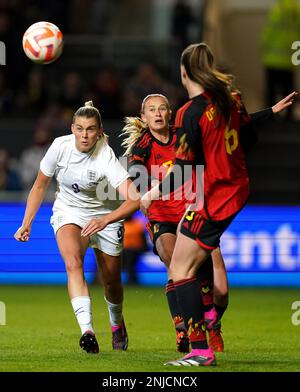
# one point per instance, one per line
(169, 165)
(231, 140)
(190, 215)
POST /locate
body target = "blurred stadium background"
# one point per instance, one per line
(116, 52)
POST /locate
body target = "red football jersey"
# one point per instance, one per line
(159, 159)
(202, 140)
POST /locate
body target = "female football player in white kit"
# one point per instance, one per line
(80, 161)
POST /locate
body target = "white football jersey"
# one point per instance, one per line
(78, 175)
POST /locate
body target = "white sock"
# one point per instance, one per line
(82, 307)
(115, 313)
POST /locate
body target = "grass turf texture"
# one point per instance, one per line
(42, 333)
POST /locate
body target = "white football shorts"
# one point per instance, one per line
(108, 240)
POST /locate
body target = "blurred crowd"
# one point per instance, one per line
(49, 95)
(19, 174)
(115, 94)
(51, 105)
(27, 89)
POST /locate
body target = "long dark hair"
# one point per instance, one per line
(198, 62)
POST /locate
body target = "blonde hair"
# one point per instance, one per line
(153, 96)
(89, 111)
(135, 127)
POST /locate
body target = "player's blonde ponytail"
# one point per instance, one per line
(133, 129)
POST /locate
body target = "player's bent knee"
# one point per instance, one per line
(221, 299)
(112, 284)
(221, 290)
(73, 264)
(178, 273)
(166, 258)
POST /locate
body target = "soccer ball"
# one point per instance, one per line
(43, 42)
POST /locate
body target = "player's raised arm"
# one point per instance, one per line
(35, 198)
(284, 103)
(266, 114)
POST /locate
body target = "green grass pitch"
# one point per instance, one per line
(41, 333)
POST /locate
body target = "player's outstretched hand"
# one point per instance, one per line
(284, 103)
(22, 234)
(93, 226)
